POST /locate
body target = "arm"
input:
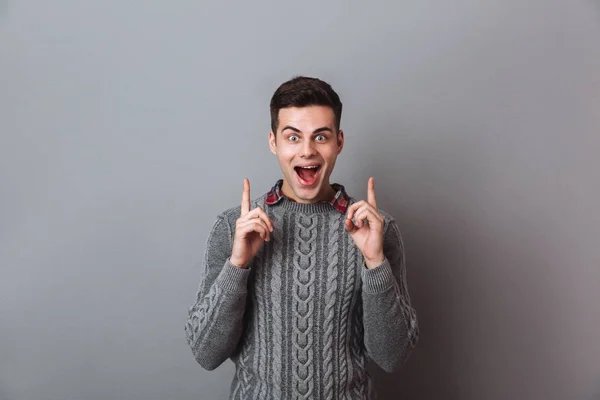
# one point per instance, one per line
(390, 323)
(215, 322)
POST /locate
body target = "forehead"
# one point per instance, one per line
(307, 119)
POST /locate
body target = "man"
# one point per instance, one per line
(304, 283)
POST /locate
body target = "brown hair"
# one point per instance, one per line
(302, 91)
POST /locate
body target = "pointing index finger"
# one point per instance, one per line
(371, 193)
(246, 197)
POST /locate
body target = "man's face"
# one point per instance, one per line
(306, 144)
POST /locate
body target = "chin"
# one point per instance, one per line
(307, 194)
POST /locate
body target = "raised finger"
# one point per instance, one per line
(371, 192)
(245, 198)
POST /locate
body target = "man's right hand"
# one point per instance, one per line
(252, 228)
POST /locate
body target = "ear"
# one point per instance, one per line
(272, 143)
(340, 141)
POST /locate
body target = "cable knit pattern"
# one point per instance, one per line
(402, 290)
(260, 329)
(348, 293)
(330, 297)
(205, 303)
(276, 293)
(196, 323)
(243, 378)
(358, 353)
(300, 322)
(303, 304)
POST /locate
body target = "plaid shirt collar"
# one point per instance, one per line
(339, 202)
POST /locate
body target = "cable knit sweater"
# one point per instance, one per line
(302, 320)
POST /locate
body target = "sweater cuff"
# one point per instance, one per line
(378, 279)
(233, 279)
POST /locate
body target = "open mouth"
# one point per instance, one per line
(308, 175)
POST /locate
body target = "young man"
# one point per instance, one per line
(301, 285)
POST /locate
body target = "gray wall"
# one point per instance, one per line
(125, 127)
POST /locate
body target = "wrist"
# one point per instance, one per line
(238, 263)
(371, 263)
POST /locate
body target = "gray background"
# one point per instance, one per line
(127, 126)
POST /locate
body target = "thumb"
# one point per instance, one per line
(350, 227)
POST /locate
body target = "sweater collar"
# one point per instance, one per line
(340, 201)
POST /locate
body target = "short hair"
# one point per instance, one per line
(302, 91)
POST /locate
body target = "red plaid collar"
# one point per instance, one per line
(339, 202)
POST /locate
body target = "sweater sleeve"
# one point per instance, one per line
(390, 323)
(215, 320)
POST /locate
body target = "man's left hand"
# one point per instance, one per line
(368, 236)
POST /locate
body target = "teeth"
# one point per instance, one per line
(311, 166)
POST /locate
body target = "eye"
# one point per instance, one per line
(293, 138)
(320, 138)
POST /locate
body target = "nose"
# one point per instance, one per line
(308, 149)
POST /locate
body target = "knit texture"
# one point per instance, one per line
(304, 318)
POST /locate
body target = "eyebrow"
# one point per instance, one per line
(318, 130)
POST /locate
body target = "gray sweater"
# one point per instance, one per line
(300, 322)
